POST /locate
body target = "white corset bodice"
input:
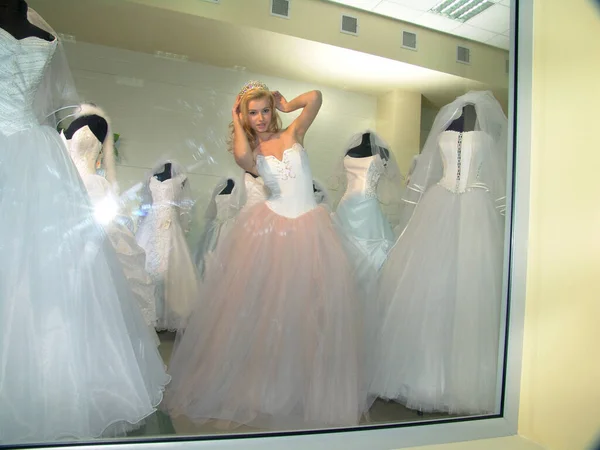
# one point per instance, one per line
(289, 181)
(363, 175)
(22, 66)
(84, 149)
(462, 157)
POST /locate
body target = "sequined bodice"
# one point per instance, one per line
(289, 181)
(22, 66)
(462, 157)
(363, 175)
(84, 149)
(166, 196)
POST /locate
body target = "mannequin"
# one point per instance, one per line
(86, 139)
(72, 331)
(165, 174)
(450, 257)
(466, 121)
(98, 125)
(161, 232)
(13, 19)
(228, 189)
(363, 150)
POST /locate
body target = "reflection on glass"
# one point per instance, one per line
(283, 234)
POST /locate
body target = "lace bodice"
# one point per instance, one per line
(363, 175)
(166, 195)
(462, 157)
(84, 149)
(22, 66)
(289, 180)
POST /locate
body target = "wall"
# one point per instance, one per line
(171, 109)
(560, 397)
(378, 35)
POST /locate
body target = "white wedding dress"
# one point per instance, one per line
(222, 212)
(359, 213)
(84, 149)
(168, 258)
(441, 292)
(76, 357)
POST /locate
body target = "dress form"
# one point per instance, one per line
(364, 149)
(165, 174)
(13, 19)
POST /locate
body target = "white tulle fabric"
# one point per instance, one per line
(275, 342)
(76, 358)
(84, 149)
(441, 291)
(168, 259)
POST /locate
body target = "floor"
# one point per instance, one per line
(161, 424)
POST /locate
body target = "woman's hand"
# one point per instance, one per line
(236, 112)
(280, 102)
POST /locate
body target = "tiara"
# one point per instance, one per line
(250, 85)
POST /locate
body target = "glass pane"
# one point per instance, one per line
(228, 216)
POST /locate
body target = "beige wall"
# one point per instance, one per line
(320, 21)
(399, 123)
(560, 398)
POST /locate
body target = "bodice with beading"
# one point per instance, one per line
(22, 66)
(362, 176)
(289, 181)
(462, 157)
(84, 149)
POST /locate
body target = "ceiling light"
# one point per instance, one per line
(461, 10)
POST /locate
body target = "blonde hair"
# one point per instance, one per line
(274, 126)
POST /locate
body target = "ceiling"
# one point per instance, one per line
(231, 46)
(491, 27)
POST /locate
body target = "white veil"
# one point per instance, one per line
(57, 94)
(429, 169)
(390, 187)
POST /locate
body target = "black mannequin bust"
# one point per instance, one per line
(229, 188)
(165, 174)
(98, 125)
(466, 121)
(13, 19)
(364, 150)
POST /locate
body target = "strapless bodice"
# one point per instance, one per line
(289, 181)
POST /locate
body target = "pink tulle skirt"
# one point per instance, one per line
(275, 341)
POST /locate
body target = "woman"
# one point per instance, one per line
(274, 341)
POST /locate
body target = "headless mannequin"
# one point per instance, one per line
(96, 124)
(13, 19)
(466, 121)
(165, 174)
(229, 188)
(364, 149)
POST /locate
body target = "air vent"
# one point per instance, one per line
(463, 55)
(280, 8)
(349, 25)
(409, 40)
